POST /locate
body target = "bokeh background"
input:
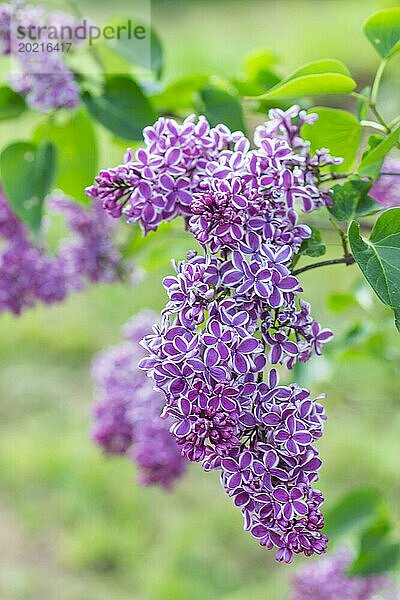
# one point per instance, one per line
(74, 526)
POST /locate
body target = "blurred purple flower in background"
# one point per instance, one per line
(326, 579)
(127, 410)
(29, 273)
(43, 77)
(386, 189)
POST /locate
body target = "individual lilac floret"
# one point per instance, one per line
(127, 411)
(326, 579)
(386, 189)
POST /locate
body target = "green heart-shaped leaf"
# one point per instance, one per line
(325, 65)
(379, 256)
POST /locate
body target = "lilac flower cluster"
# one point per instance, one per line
(157, 183)
(236, 310)
(386, 189)
(43, 77)
(326, 579)
(212, 178)
(29, 274)
(90, 253)
(127, 411)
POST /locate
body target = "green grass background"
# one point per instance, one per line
(74, 526)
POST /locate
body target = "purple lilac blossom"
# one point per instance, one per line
(236, 311)
(89, 253)
(5, 28)
(42, 77)
(157, 182)
(127, 412)
(386, 189)
(326, 579)
(29, 274)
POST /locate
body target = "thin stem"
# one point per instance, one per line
(374, 95)
(334, 177)
(358, 96)
(346, 260)
(343, 238)
(380, 118)
(377, 81)
(92, 50)
(394, 122)
(373, 125)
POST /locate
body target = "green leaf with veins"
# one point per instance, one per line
(379, 256)
(351, 200)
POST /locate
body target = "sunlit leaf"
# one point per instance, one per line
(383, 31)
(27, 174)
(316, 78)
(337, 130)
(77, 161)
(326, 65)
